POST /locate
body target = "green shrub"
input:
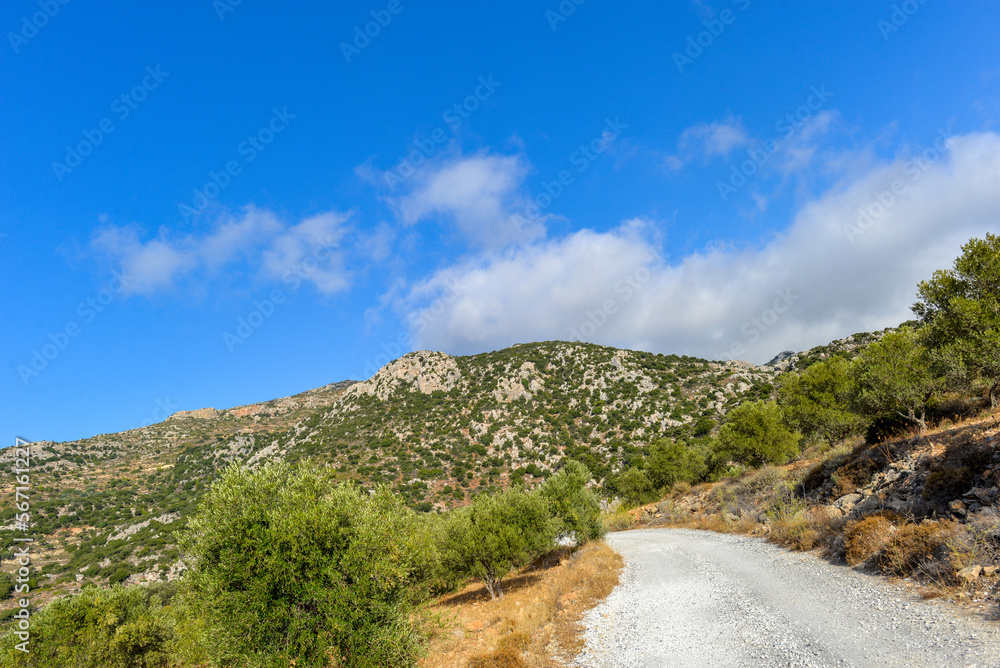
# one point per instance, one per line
(497, 534)
(755, 434)
(633, 486)
(120, 575)
(286, 565)
(120, 627)
(575, 507)
(672, 462)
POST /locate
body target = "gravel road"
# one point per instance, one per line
(696, 598)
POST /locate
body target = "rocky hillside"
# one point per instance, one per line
(435, 428)
(847, 347)
(439, 427)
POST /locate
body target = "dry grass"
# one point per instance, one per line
(911, 545)
(505, 657)
(864, 538)
(537, 621)
(620, 519)
(804, 530)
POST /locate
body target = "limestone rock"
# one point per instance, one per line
(847, 501)
(423, 371)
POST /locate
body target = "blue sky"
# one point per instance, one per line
(212, 204)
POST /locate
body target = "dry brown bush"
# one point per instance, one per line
(519, 640)
(865, 537)
(947, 482)
(910, 546)
(508, 657)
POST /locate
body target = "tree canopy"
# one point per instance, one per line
(817, 400)
(289, 566)
(893, 376)
(755, 434)
(960, 311)
(672, 462)
(497, 534)
(572, 504)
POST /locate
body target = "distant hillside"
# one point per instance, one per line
(848, 347)
(436, 428)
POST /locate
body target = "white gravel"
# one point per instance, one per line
(696, 598)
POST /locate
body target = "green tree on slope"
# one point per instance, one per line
(960, 311)
(288, 566)
(893, 376)
(497, 534)
(755, 434)
(575, 507)
(817, 400)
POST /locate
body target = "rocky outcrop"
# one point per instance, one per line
(422, 371)
(199, 414)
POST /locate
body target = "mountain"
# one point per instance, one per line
(436, 428)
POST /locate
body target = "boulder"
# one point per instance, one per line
(847, 501)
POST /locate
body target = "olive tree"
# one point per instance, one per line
(893, 375)
(497, 534)
(960, 312)
(633, 486)
(572, 504)
(116, 627)
(816, 401)
(287, 566)
(671, 462)
(756, 433)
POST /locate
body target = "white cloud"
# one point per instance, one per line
(256, 238)
(832, 272)
(307, 250)
(713, 139)
(479, 194)
(153, 265)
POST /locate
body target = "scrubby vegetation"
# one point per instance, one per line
(289, 566)
(395, 490)
(944, 366)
